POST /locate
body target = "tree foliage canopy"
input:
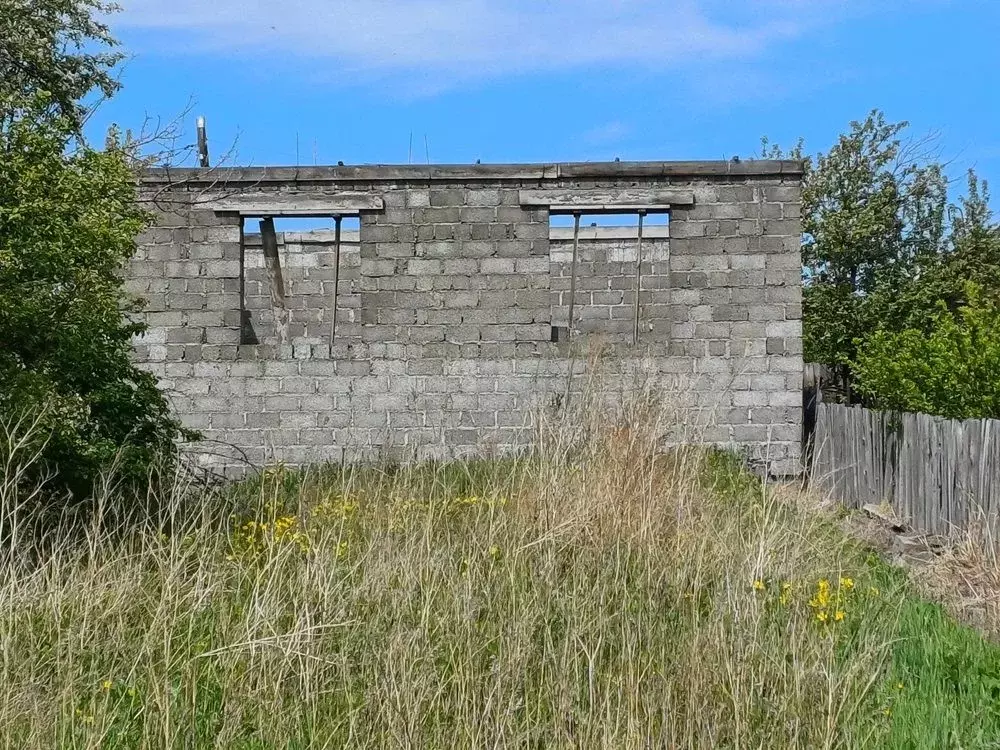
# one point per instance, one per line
(60, 48)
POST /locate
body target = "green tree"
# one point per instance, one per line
(965, 251)
(885, 256)
(69, 216)
(974, 253)
(853, 208)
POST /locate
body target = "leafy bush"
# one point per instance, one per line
(951, 370)
(68, 221)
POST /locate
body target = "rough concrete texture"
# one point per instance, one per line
(447, 300)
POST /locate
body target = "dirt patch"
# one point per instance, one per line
(963, 573)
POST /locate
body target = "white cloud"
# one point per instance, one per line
(453, 40)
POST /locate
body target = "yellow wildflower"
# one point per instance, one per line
(759, 585)
(107, 685)
(839, 615)
(822, 598)
(821, 616)
(847, 583)
(899, 686)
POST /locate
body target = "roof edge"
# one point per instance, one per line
(470, 172)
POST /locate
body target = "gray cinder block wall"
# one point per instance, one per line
(452, 305)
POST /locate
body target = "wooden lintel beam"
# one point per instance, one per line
(606, 201)
(609, 208)
(269, 239)
(338, 204)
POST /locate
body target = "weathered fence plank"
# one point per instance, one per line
(938, 474)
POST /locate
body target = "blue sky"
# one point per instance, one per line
(558, 80)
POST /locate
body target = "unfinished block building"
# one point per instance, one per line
(465, 302)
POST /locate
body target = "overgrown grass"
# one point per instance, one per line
(591, 595)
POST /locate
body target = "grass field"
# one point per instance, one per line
(589, 595)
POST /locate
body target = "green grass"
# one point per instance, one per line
(942, 687)
(599, 597)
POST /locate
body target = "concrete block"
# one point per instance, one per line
(447, 197)
(418, 198)
(423, 267)
(785, 329)
(533, 265)
(483, 197)
(497, 266)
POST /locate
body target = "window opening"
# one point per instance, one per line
(300, 264)
(608, 262)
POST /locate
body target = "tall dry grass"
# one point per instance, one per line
(593, 593)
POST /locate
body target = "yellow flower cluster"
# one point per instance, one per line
(829, 604)
(253, 538)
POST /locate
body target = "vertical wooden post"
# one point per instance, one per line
(638, 280)
(572, 271)
(269, 240)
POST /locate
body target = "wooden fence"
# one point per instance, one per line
(937, 474)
